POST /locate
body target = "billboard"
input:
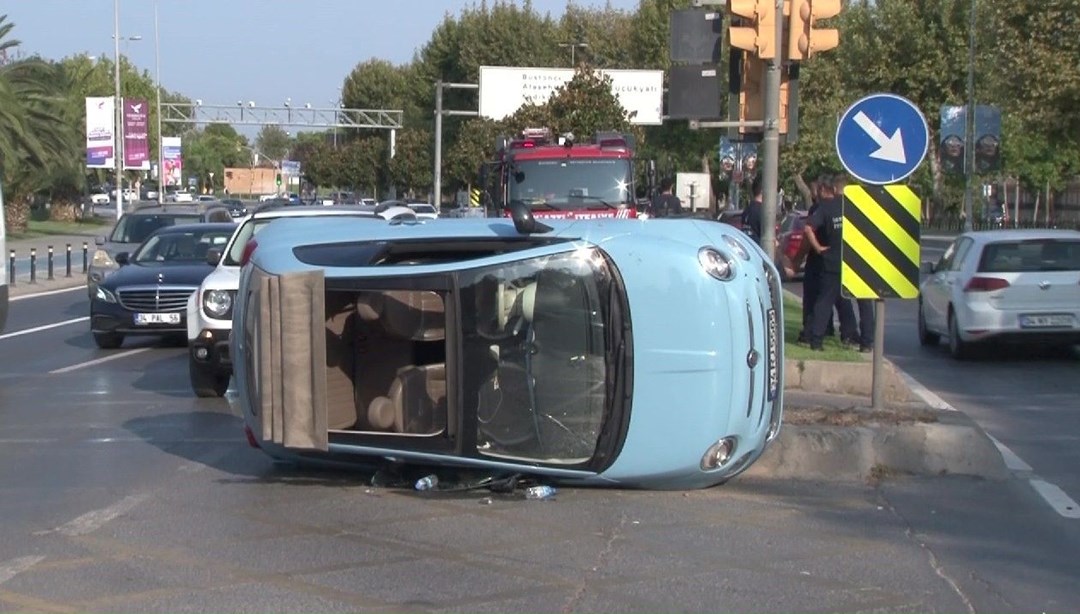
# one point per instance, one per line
(136, 138)
(504, 89)
(100, 132)
(174, 161)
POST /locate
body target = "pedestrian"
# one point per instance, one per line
(822, 231)
(666, 203)
(751, 219)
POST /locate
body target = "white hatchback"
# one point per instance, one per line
(1015, 286)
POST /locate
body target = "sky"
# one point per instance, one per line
(266, 51)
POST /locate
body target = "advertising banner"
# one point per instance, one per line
(136, 136)
(504, 89)
(174, 162)
(100, 132)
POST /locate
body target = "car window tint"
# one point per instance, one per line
(1030, 256)
(136, 228)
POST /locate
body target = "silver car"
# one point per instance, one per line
(1008, 286)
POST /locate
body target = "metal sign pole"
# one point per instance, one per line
(879, 355)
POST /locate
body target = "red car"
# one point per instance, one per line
(789, 234)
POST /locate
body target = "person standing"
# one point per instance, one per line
(666, 203)
(751, 219)
(822, 232)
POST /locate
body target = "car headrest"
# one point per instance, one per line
(528, 302)
(414, 314)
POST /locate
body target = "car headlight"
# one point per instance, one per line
(104, 295)
(718, 454)
(737, 247)
(103, 260)
(716, 263)
(218, 303)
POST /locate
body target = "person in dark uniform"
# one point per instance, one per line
(666, 204)
(751, 219)
(822, 232)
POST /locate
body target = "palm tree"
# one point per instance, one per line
(34, 138)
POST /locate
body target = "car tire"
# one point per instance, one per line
(926, 338)
(205, 382)
(108, 341)
(958, 348)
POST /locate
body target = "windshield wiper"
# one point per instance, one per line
(535, 203)
(597, 199)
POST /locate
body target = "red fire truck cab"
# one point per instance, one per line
(562, 178)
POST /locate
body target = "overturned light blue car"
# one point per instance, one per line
(638, 353)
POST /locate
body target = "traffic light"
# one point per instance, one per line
(758, 35)
(804, 37)
(278, 179)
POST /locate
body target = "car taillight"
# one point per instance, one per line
(985, 284)
(249, 249)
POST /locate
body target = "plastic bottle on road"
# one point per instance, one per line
(540, 492)
(428, 482)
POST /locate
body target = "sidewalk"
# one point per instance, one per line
(20, 284)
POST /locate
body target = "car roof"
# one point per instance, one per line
(1021, 234)
(208, 227)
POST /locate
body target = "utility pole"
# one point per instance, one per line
(160, 148)
(969, 125)
(118, 129)
(770, 169)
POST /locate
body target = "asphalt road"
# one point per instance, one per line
(120, 491)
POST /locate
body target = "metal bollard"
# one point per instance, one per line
(11, 269)
(67, 272)
(50, 278)
(33, 265)
(85, 266)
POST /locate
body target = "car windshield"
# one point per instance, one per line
(135, 228)
(423, 208)
(538, 344)
(570, 183)
(180, 247)
(1034, 255)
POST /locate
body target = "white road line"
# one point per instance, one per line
(98, 361)
(38, 329)
(1057, 498)
(92, 521)
(1012, 461)
(16, 566)
(1051, 493)
(47, 293)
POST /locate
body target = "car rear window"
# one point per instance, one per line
(1030, 256)
(135, 228)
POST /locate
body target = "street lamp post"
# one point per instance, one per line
(160, 147)
(117, 114)
(573, 47)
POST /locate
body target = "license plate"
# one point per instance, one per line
(157, 318)
(1047, 321)
(772, 351)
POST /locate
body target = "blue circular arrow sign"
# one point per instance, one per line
(882, 139)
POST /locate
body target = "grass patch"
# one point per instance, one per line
(834, 351)
(44, 228)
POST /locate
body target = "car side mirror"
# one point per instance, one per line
(926, 268)
(100, 240)
(213, 256)
(524, 221)
(122, 258)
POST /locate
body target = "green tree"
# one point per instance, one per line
(361, 162)
(273, 142)
(411, 167)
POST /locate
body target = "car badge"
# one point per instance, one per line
(752, 358)
(1044, 285)
(160, 277)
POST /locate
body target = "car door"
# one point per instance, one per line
(937, 289)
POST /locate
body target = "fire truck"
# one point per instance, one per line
(562, 178)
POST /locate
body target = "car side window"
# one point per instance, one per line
(220, 215)
(963, 248)
(945, 262)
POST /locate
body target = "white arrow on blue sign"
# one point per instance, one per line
(882, 139)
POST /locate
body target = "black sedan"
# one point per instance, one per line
(148, 294)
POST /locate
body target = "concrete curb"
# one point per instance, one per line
(852, 378)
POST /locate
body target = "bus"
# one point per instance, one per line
(3, 269)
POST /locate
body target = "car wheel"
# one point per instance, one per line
(925, 336)
(959, 348)
(108, 341)
(205, 382)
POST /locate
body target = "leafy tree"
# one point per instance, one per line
(273, 142)
(411, 167)
(361, 163)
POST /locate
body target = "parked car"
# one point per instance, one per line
(179, 196)
(209, 310)
(100, 198)
(789, 235)
(147, 295)
(1003, 286)
(236, 207)
(608, 352)
(134, 227)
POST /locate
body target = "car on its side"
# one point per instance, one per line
(1003, 286)
(209, 309)
(614, 352)
(135, 226)
(148, 294)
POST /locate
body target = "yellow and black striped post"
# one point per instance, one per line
(474, 197)
(880, 253)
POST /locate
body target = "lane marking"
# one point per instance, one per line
(98, 361)
(1051, 493)
(47, 293)
(92, 521)
(18, 565)
(1057, 498)
(38, 329)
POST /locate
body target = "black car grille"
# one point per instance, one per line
(155, 299)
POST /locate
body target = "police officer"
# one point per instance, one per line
(822, 232)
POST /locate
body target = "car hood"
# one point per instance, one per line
(141, 274)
